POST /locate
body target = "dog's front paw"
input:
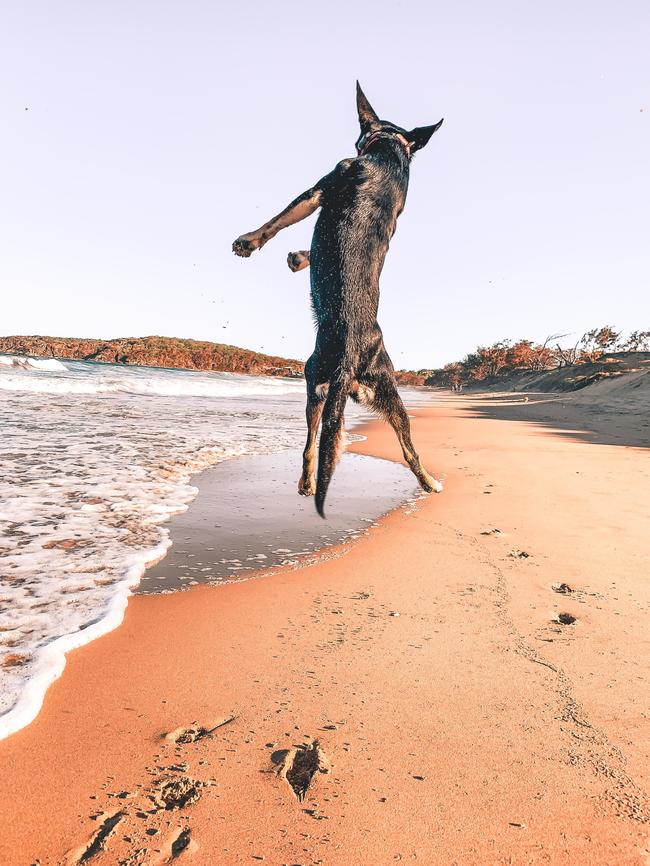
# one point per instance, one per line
(245, 245)
(298, 261)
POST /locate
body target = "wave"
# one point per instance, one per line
(224, 388)
(49, 661)
(78, 377)
(89, 480)
(86, 485)
(24, 363)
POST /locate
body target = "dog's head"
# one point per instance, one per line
(372, 129)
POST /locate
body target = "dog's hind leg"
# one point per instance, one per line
(316, 394)
(307, 483)
(388, 403)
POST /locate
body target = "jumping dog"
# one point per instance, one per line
(360, 202)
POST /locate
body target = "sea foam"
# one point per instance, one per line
(25, 363)
(95, 459)
(79, 377)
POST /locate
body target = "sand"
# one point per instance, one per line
(241, 525)
(412, 697)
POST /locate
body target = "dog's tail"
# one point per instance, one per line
(331, 434)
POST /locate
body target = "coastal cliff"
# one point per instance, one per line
(155, 352)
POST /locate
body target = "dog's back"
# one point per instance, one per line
(360, 201)
(351, 238)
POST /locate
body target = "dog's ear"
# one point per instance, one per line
(420, 136)
(367, 114)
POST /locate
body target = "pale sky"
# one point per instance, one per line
(156, 132)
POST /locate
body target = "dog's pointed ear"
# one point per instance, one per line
(367, 114)
(420, 136)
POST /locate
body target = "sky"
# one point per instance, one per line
(139, 139)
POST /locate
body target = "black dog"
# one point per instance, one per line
(361, 201)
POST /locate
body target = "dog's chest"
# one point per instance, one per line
(378, 196)
(365, 205)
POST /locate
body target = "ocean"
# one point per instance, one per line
(95, 459)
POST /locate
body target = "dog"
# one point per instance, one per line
(360, 201)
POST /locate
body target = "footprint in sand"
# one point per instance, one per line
(566, 618)
(299, 765)
(178, 844)
(97, 841)
(171, 791)
(177, 792)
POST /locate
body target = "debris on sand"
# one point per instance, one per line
(196, 732)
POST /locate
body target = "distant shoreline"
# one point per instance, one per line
(163, 352)
(174, 353)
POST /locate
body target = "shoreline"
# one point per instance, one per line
(87, 481)
(52, 658)
(463, 723)
(248, 519)
(157, 563)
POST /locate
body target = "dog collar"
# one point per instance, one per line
(373, 136)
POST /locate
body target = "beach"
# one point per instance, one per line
(464, 683)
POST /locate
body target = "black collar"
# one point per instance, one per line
(369, 137)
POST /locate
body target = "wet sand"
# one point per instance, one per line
(467, 712)
(248, 517)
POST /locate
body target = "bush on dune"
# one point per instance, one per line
(505, 358)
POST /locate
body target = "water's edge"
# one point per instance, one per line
(49, 660)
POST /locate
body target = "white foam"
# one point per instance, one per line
(89, 477)
(25, 363)
(78, 377)
(95, 459)
(49, 660)
(219, 386)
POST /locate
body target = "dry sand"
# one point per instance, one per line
(459, 721)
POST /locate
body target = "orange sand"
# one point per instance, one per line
(469, 729)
